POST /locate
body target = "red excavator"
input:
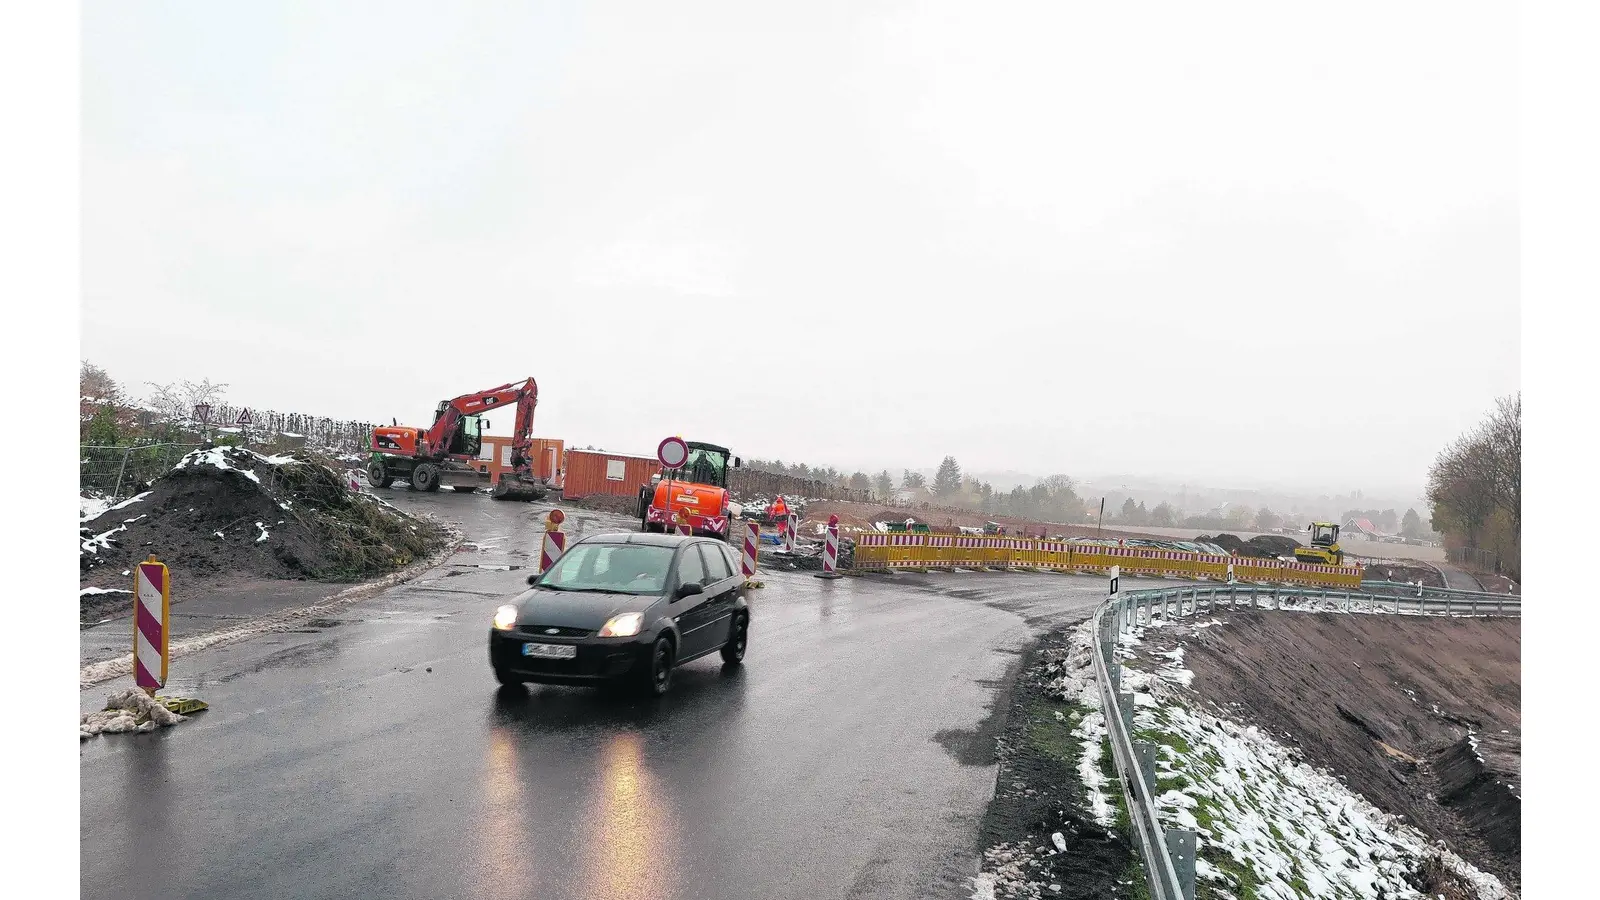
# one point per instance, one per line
(445, 453)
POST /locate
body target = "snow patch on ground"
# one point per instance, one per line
(130, 710)
(101, 541)
(93, 507)
(263, 532)
(1072, 678)
(94, 590)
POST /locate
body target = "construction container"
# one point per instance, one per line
(598, 472)
(495, 457)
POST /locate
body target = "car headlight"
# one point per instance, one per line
(505, 618)
(625, 625)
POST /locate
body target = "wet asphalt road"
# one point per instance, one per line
(851, 756)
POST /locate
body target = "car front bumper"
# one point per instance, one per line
(599, 659)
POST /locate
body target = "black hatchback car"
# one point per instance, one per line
(623, 608)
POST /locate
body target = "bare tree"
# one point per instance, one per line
(96, 386)
(176, 402)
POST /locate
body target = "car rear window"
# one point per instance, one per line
(627, 568)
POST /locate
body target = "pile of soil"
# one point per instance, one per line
(230, 511)
(1421, 716)
(1262, 546)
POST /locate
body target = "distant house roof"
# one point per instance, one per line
(1362, 525)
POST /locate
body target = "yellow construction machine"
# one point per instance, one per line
(1324, 549)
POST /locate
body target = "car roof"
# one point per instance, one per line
(651, 539)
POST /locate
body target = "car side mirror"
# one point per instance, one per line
(688, 590)
(533, 580)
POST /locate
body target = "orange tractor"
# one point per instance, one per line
(695, 492)
(445, 453)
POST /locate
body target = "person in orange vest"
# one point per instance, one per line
(779, 510)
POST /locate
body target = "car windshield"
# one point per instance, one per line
(610, 568)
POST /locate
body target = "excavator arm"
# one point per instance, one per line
(524, 395)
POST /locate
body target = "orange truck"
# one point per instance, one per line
(697, 492)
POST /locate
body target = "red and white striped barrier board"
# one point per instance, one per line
(830, 550)
(153, 600)
(752, 541)
(791, 523)
(555, 540)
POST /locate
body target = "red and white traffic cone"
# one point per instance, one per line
(555, 540)
(830, 551)
(752, 540)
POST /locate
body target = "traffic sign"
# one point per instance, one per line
(672, 452)
(1116, 574)
(244, 417)
(202, 413)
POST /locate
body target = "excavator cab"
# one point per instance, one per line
(467, 439)
(1324, 549)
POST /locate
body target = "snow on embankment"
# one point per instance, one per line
(1270, 825)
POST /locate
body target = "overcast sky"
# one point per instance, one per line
(1241, 243)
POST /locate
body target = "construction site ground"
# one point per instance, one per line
(1421, 715)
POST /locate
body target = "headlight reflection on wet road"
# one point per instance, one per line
(502, 851)
(629, 850)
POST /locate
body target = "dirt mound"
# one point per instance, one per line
(232, 511)
(1387, 703)
(1262, 546)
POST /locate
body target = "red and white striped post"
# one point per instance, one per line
(830, 550)
(153, 592)
(555, 540)
(791, 524)
(752, 541)
(684, 528)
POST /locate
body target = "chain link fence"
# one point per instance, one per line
(119, 472)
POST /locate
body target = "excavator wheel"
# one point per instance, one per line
(377, 475)
(425, 477)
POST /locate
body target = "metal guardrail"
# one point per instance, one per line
(1169, 853)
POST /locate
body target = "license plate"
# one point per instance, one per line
(550, 651)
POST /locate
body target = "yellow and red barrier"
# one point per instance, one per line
(946, 551)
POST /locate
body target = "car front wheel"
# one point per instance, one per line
(738, 637)
(657, 676)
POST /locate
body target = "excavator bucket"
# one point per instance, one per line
(512, 486)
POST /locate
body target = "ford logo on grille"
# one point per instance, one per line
(552, 631)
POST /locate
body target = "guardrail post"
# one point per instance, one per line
(1499, 606)
(1447, 604)
(1181, 846)
(1474, 607)
(1397, 603)
(1346, 601)
(1125, 707)
(1146, 752)
(1233, 596)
